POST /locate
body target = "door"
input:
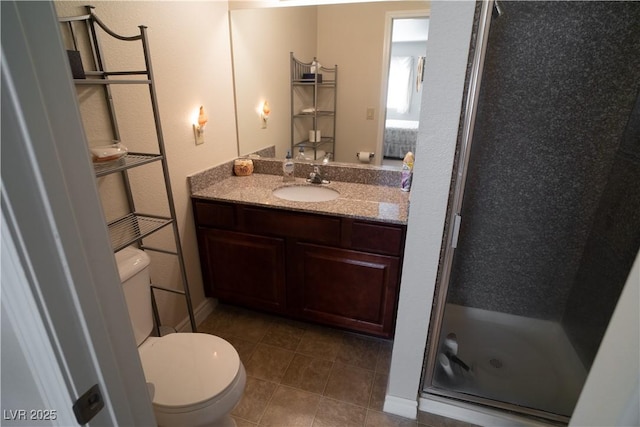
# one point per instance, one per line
(403, 72)
(534, 276)
(76, 324)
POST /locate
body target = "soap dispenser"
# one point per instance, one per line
(288, 169)
(301, 156)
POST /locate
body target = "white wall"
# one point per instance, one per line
(447, 51)
(191, 57)
(611, 394)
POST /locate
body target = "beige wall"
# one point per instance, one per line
(355, 41)
(191, 57)
(262, 40)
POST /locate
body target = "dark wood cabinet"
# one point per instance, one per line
(332, 270)
(243, 268)
(352, 289)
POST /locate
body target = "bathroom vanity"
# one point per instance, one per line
(337, 262)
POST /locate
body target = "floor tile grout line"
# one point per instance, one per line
(243, 419)
(287, 368)
(215, 330)
(315, 414)
(266, 407)
(333, 365)
(293, 388)
(326, 382)
(321, 396)
(373, 386)
(347, 403)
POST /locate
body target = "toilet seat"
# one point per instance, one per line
(188, 371)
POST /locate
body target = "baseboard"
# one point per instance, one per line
(407, 408)
(200, 313)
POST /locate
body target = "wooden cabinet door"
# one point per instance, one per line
(345, 288)
(243, 268)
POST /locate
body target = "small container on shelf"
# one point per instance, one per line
(312, 77)
(243, 167)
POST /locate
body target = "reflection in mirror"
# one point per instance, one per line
(404, 87)
(351, 36)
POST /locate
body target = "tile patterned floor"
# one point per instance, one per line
(300, 374)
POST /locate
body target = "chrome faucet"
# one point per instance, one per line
(315, 177)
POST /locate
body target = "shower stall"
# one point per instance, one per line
(544, 212)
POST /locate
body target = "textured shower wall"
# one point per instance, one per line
(559, 84)
(610, 251)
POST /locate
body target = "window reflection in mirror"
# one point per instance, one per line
(408, 48)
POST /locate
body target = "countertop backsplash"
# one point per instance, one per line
(266, 164)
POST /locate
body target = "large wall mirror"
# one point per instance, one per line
(354, 36)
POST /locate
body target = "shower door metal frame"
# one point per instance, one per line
(453, 226)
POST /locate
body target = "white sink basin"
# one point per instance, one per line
(306, 193)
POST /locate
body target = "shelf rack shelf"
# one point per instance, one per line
(310, 90)
(133, 227)
(129, 161)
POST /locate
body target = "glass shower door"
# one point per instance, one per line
(543, 231)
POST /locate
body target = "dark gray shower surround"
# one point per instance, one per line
(551, 213)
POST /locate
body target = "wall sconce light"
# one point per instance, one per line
(198, 129)
(264, 114)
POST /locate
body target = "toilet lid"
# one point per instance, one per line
(186, 369)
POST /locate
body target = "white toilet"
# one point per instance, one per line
(193, 379)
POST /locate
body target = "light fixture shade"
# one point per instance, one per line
(266, 109)
(202, 117)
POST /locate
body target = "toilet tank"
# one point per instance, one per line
(133, 266)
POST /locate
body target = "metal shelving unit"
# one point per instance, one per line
(316, 92)
(135, 226)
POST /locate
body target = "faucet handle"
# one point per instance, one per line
(315, 177)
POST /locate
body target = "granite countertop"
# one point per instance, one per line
(372, 202)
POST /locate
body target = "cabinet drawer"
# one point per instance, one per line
(307, 227)
(214, 215)
(378, 238)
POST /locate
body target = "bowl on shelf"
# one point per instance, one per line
(108, 153)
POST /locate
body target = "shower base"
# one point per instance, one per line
(521, 361)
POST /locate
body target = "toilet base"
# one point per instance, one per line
(214, 415)
(225, 421)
